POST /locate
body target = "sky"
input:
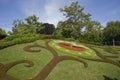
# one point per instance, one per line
(102, 11)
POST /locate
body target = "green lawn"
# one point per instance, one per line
(65, 70)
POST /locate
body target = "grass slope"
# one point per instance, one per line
(65, 70)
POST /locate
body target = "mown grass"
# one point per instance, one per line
(65, 70)
(15, 53)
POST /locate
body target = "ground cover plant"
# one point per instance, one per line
(48, 63)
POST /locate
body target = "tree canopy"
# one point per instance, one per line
(47, 28)
(2, 33)
(112, 31)
(76, 18)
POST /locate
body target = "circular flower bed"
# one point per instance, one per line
(72, 48)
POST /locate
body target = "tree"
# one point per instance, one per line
(59, 28)
(16, 25)
(112, 31)
(26, 29)
(32, 20)
(32, 25)
(20, 27)
(66, 32)
(76, 18)
(2, 33)
(93, 31)
(47, 29)
(62, 25)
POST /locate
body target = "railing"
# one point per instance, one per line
(114, 43)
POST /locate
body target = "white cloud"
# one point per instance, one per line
(30, 7)
(52, 11)
(47, 10)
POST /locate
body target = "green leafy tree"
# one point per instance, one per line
(26, 29)
(93, 31)
(20, 27)
(62, 25)
(112, 31)
(66, 32)
(59, 28)
(32, 25)
(16, 25)
(76, 17)
(2, 33)
(33, 22)
(47, 29)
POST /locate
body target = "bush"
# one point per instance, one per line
(88, 42)
(69, 39)
(57, 36)
(66, 32)
(18, 39)
(12, 37)
(44, 36)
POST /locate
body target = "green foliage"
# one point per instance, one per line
(80, 23)
(69, 39)
(16, 25)
(17, 39)
(57, 36)
(44, 36)
(76, 18)
(47, 29)
(32, 20)
(66, 32)
(93, 32)
(59, 28)
(12, 37)
(88, 42)
(32, 26)
(112, 31)
(23, 29)
(2, 32)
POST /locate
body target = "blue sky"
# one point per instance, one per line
(48, 10)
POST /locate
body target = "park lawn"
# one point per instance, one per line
(15, 53)
(65, 70)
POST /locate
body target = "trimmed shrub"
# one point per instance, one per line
(89, 42)
(69, 39)
(18, 39)
(57, 36)
(44, 36)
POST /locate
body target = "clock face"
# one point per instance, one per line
(72, 48)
